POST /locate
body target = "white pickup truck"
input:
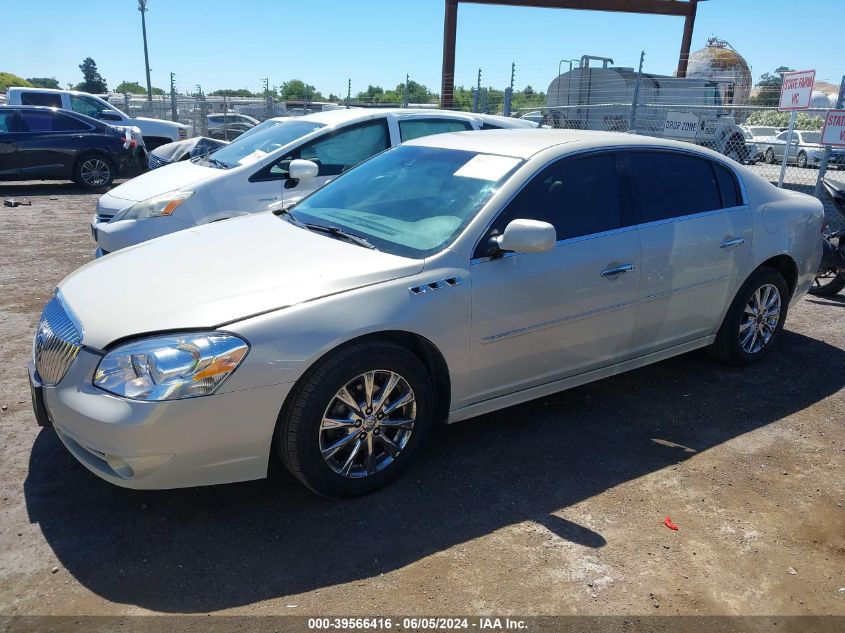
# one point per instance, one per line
(155, 131)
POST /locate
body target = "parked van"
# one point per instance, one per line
(155, 131)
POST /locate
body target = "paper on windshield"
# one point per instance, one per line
(487, 167)
(251, 158)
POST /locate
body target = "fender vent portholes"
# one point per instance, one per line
(435, 285)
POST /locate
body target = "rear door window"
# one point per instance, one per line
(416, 128)
(41, 99)
(728, 186)
(34, 121)
(672, 184)
(64, 123)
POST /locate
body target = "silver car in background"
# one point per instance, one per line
(448, 277)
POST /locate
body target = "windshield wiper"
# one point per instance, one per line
(335, 231)
(289, 214)
(217, 163)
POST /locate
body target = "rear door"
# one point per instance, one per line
(49, 142)
(695, 230)
(540, 317)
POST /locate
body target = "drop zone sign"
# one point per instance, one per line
(682, 125)
(796, 90)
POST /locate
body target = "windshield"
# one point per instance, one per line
(811, 137)
(251, 147)
(260, 127)
(409, 201)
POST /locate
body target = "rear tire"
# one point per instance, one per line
(802, 160)
(770, 156)
(827, 287)
(754, 321)
(343, 450)
(93, 172)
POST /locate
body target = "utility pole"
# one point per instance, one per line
(506, 108)
(348, 93)
(632, 121)
(405, 92)
(142, 7)
(173, 96)
(477, 94)
(268, 100)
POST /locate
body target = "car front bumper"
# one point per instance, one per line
(112, 236)
(222, 438)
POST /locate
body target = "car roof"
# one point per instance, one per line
(525, 143)
(339, 117)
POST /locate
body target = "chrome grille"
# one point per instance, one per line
(154, 161)
(57, 342)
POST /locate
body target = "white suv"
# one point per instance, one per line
(251, 173)
(155, 131)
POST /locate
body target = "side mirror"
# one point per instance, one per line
(110, 115)
(302, 169)
(526, 236)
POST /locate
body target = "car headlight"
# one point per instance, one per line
(170, 367)
(165, 204)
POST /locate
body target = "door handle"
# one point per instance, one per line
(624, 268)
(732, 243)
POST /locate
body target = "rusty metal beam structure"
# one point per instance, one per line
(680, 8)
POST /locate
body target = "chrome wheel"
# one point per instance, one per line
(760, 319)
(95, 172)
(367, 423)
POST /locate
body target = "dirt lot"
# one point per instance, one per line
(552, 507)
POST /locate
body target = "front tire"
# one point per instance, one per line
(754, 320)
(802, 160)
(357, 419)
(770, 156)
(93, 172)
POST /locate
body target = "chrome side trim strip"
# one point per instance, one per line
(546, 324)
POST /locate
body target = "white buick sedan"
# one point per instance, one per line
(446, 278)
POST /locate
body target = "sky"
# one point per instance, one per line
(228, 44)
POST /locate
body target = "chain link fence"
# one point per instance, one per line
(218, 117)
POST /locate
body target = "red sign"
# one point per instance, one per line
(833, 132)
(797, 90)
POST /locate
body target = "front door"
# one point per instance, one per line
(540, 317)
(8, 143)
(334, 153)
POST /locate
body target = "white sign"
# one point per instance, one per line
(796, 90)
(681, 125)
(833, 132)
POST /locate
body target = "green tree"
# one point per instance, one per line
(769, 88)
(296, 89)
(373, 94)
(232, 92)
(131, 87)
(8, 80)
(44, 82)
(134, 88)
(772, 118)
(92, 81)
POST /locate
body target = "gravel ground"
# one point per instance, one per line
(556, 506)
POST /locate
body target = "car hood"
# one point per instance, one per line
(172, 152)
(218, 273)
(164, 179)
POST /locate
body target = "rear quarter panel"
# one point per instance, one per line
(785, 223)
